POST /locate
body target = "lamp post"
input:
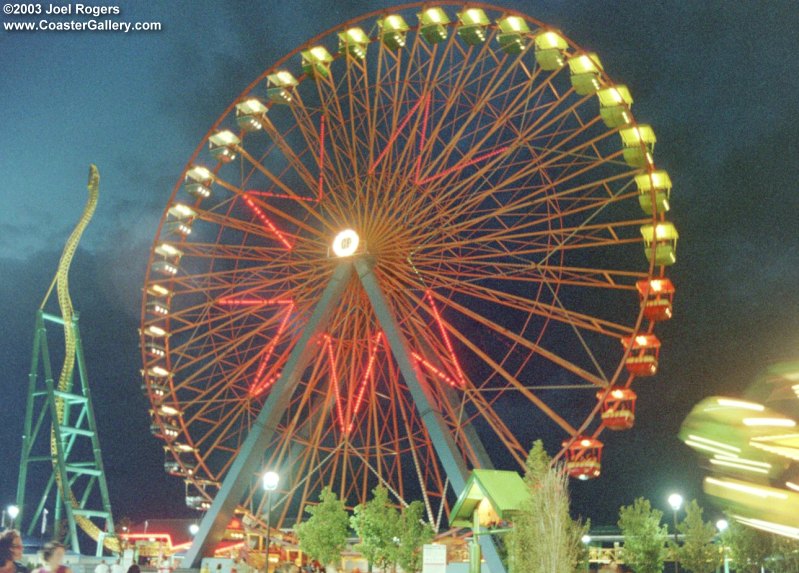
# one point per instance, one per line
(271, 480)
(13, 512)
(586, 539)
(722, 526)
(675, 501)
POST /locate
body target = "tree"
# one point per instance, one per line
(414, 533)
(376, 523)
(748, 548)
(544, 538)
(644, 538)
(785, 555)
(698, 552)
(324, 535)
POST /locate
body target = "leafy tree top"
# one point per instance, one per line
(376, 523)
(644, 537)
(698, 552)
(324, 535)
(537, 464)
(414, 533)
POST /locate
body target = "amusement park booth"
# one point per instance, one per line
(487, 505)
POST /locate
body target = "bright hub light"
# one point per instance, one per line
(13, 511)
(271, 480)
(722, 524)
(194, 528)
(346, 243)
(675, 501)
(586, 539)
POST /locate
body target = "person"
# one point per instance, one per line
(53, 555)
(164, 566)
(102, 567)
(116, 567)
(134, 569)
(11, 552)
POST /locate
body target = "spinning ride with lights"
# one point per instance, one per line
(750, 450)
(422, 232)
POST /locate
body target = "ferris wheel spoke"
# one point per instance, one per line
(331, 172)
(500, 429)
(524, 172)
(343, 144)
(268, 208)
(244, 252)
(476, 146)
(615, 279)
(261, 278)
(220, 348)
(315, 139)
(483, 245)
(294, 160)
(506, 333)
(406, 83)
(362, 128)
(546, 310)
(518, 106)
(218, 327)
(225, 222)
(523, 205)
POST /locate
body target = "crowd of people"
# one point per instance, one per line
(53, 554)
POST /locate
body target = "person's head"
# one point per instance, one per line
(134, 569)
(10, 546)
(53, 553)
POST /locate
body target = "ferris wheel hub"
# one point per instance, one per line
(346, 243)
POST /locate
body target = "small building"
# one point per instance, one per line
(495, 496)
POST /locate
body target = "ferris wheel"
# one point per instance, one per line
(459, 192)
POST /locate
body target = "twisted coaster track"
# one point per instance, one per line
(77, 477)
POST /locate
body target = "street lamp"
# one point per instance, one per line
(722, 526)
(271, 480)
(13, 512)
(675, 501)
(586, 539)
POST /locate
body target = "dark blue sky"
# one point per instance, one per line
(717, 80)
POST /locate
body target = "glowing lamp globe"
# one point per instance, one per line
(271, 480)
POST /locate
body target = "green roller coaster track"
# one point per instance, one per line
(72, 453)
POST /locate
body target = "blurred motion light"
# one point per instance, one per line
(740, 404)
(770, 422)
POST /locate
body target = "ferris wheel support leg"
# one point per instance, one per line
(250, 456)
(445, 446)
(482, 459)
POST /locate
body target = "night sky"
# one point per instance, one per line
(717, 80)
